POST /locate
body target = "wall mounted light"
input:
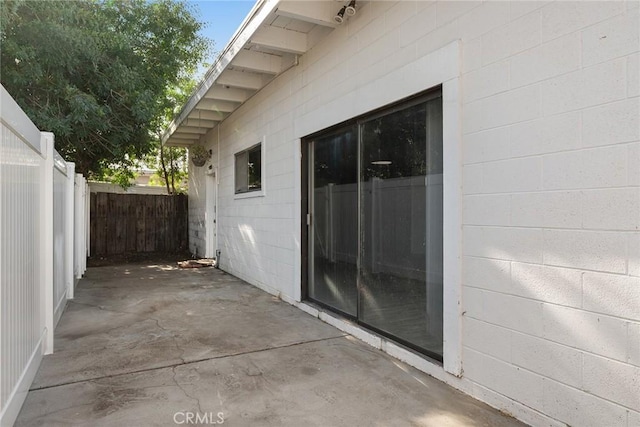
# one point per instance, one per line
(351, 9)
(340, 15)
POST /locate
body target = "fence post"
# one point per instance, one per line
(46, 248)
(80, 223)
(69, 235)
(87, 219)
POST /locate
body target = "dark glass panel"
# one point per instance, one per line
(255, 168)
(401, 224)
(334, 230)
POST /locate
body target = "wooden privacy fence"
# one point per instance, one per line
(127, 223)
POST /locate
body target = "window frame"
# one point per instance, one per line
(256, 192)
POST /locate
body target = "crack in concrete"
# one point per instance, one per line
(173, 338)
(190, 362)
(141, 316)
(175, 380)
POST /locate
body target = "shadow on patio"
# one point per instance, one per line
(155, 345)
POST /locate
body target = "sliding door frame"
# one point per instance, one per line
(307, 219)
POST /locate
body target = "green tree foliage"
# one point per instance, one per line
(171, 162)
(98, 74)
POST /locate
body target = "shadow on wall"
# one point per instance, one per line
(560, 323)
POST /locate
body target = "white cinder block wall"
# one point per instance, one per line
(551, 189)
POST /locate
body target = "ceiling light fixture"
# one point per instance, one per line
(351, 9)
(340, 15)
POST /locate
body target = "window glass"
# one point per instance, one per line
(254, 167)
(248, 170)
(376, 222)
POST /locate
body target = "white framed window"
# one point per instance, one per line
(248, 170)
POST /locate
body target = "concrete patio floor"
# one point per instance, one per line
(151, 344)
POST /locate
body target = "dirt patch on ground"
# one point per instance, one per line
(136, 258)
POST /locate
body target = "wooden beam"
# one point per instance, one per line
(200, 123)
(319, 13)
(217, 105)
(206, 115)
(280, 39)
(171, 142)
(241, 79)
(251, 60)
(192, 130)
(226, 93)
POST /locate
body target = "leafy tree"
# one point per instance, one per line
(98, 74)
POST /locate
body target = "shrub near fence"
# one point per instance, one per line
(136, 223)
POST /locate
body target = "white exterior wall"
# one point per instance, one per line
(550, 194)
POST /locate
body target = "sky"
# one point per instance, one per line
(222, 18)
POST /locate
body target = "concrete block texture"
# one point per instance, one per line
(549, 106)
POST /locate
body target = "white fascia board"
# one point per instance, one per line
(258, 15)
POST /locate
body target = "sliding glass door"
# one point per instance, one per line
(375, 235)
(334, 234)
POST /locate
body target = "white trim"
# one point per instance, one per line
(441, 67)
(19, 393)
(263, 172)
(452, 227)
(297, 220)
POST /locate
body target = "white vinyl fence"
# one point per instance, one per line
(43, 248)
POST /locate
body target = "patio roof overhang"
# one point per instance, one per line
(268, 42)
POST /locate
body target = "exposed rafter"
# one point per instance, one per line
(200, 123)
(217, 105)
(198, 114)
(281, 39)
(184, 136)
(226, 93)
(268, 42)
(242, 79)
(320, 13)
(259, 62)
(192, 130)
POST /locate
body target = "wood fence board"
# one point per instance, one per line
(101, 224)
(140, 224)
(92, 222)
(131, 224)
(150, 223)
(122, 223)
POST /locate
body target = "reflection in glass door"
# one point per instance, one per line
(375, 238)
(401, 224)
(334, 206)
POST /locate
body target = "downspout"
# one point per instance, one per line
(217, 250)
